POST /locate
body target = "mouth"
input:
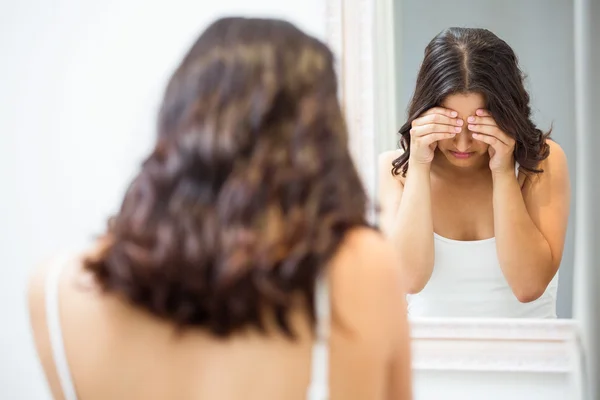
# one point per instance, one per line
(461, 155)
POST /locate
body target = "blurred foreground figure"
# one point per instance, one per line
(240, 265)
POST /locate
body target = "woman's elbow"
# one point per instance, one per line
(529, 293)
(531, 288)
(415, 282)
(414, 289)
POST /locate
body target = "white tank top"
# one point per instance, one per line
(318, 388)
(467, 282)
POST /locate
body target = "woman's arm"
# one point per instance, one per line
(406, 219)
(406, 206)
(530, 226)
(370, 350)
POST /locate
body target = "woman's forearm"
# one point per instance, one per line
(524, 254)
(412, 231)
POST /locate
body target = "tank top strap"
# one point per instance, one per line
(55, 331)
(319, 383)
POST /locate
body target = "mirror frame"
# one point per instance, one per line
(360, 33)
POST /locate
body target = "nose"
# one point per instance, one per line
(463, 140)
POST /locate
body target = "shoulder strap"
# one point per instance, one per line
(319, 383)
(55, 331)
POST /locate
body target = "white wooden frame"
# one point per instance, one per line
(360, 33)
(496, 345)
(371, 119)
(587, 226)
(349, 31)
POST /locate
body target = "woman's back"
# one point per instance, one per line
(204, 284)
(117, 351)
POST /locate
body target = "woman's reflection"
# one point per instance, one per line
(477, 200)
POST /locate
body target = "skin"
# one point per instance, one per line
(475, 197)
(117, 351)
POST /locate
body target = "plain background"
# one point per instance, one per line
(80, 82)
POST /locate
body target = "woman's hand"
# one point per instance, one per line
(435, 124)
(502, 146)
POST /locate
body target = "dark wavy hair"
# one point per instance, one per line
(249, 190)
(466, 60)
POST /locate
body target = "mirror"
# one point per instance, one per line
(501, 357)
(464, 265)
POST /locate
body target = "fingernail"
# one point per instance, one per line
(471, 126)
(458, 129)
(459, 122)
(471, 119)
(454, 113)
(479, 112)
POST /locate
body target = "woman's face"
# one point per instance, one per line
(463, 150)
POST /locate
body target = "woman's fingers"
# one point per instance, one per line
(422, 130)
(440, 110)
(491, 131)
(437, 119)
(435, 124)
(491, 140)
(483, 113)
(435, 137)
(481, 120)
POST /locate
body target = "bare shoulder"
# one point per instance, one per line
(390, 155)
(386, 158)
(557, 159)
(36, 292)
(36, 288)
(36, 284)
(384, 162)
(551, 189)
(390, 189)
(367, 260)
(369, 251)
(365, 275)
(555, 167)
(556, 162)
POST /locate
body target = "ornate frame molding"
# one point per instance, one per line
(349, 34)
(367, 79)
(496, 345)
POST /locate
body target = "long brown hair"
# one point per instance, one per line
(463, 60)
(249, 190)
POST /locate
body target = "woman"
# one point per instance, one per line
(213, 280)
(477, 200)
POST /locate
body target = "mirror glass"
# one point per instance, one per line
(467, 279)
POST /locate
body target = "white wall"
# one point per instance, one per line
(80, 81)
